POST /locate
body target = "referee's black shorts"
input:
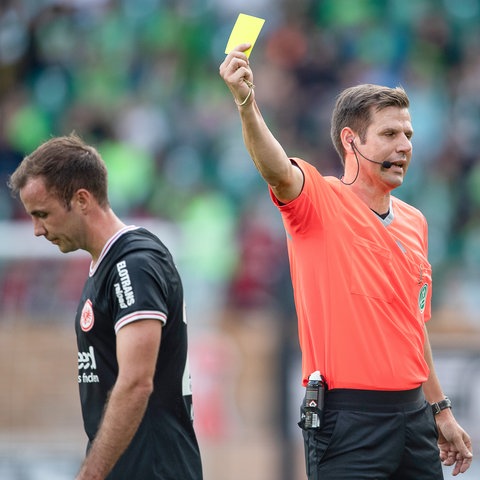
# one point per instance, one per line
(374, 435)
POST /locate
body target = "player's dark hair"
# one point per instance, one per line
(354, 108)
(66, 164)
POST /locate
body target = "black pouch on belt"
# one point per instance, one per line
(311, 411)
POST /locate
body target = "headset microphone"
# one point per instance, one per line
(384, 164)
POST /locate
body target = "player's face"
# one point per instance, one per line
(51, 219)
(389, 138)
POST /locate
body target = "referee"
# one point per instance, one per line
(362, 286)
(130, 324)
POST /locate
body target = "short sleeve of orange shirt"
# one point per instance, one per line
(362, 286)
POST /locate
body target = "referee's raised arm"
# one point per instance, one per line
(268, 155)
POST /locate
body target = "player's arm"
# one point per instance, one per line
(454, 443)
(137, 350)
(285, 179)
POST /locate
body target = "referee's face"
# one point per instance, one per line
(51, 219)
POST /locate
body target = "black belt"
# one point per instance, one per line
(374, 400)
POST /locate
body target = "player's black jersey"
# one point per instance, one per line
(134, 279)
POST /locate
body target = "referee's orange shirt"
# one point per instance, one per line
(362, 286)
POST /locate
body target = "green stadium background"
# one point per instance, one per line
(139, 79)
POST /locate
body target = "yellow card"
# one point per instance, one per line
(246, 30)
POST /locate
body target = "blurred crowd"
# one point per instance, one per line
(139, 80)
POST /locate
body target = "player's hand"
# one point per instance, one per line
(237, 74)
(454, 444)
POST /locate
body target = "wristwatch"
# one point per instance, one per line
(437, 407)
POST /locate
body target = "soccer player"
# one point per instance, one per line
(130, 324)
(362, 287)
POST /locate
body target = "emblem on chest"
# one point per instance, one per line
(87, 318)
(422, 297)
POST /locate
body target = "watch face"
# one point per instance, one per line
(441, 405)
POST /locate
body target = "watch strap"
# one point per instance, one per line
(437, 407)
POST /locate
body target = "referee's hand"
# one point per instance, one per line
(237, 74)
(454, 443)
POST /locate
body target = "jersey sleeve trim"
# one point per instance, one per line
(140, 315)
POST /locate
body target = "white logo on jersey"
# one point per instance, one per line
(87, 318)
(124, 290)
(86, 360)
(187, 385)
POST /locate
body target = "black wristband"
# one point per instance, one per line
(437, 407)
